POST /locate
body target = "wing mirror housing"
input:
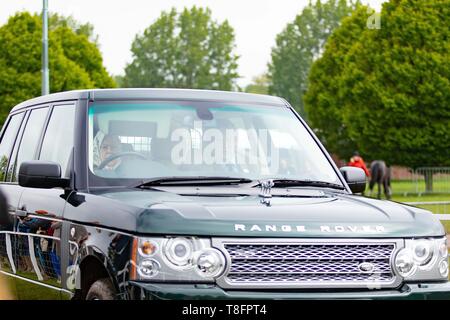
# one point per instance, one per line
(355, 178)
(41, 174)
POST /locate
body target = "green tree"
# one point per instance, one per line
(323, 102)
(260, 85)
(85, 54)
(396, 85)
(74, 61)
(184, 50)
(299, 44)
(392, 85)
(87, 29)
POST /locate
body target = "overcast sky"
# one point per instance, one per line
(116, 22)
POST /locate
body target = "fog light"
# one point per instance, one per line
(149, 268)
(443, 268)
(210, 263)
(404, 263)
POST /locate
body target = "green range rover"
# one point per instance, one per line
(192, 194)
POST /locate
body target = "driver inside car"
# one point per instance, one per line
(106, 146)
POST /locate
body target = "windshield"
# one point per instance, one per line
(148, 140)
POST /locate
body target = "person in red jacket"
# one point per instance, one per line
(357, 161)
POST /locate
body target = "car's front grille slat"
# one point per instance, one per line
(333, 264)
(309, 252)
(306, 278)
(242, 266)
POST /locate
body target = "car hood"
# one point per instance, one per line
(305, 213)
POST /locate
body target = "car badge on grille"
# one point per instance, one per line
(366, 267)
(241, 253)
(266, 187)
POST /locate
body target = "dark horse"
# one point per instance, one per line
(380, 174)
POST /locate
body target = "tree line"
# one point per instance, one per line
(382, 91)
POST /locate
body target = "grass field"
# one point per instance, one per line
(446, 225)
(421, 198)
(402, 191)
(440, 208)
(410, 187)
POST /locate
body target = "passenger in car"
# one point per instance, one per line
(106, 146)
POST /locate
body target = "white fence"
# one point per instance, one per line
(432, 180)
(425, 180)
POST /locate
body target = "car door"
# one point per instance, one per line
(44, 208)
(23, 242)
(9, 135)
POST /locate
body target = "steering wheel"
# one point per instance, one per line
(119, 155)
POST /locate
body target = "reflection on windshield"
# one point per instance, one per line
(157, 139)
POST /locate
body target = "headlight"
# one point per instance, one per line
(423, 252)
(179, 251)
(443, 268)
(149, 268)
(209, 263)
(423, 259)
(404, 263)
(443, 251)
(188, 259)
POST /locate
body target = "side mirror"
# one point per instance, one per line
(41, 174)
(355, 177)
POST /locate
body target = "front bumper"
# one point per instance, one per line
(423, 291)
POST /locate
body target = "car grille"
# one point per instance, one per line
(332, 264)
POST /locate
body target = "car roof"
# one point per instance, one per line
(146, 93)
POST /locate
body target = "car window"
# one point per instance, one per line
(7, 142)
(30, 139)
(58, 139)
(197, 138)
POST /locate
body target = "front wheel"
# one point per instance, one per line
(102, 289)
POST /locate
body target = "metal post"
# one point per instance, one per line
(45, 71)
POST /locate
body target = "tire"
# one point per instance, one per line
(102, 289)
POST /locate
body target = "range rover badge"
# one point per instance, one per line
(366, 267)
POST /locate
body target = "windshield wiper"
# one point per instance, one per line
(190, 181)
(301, 183)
